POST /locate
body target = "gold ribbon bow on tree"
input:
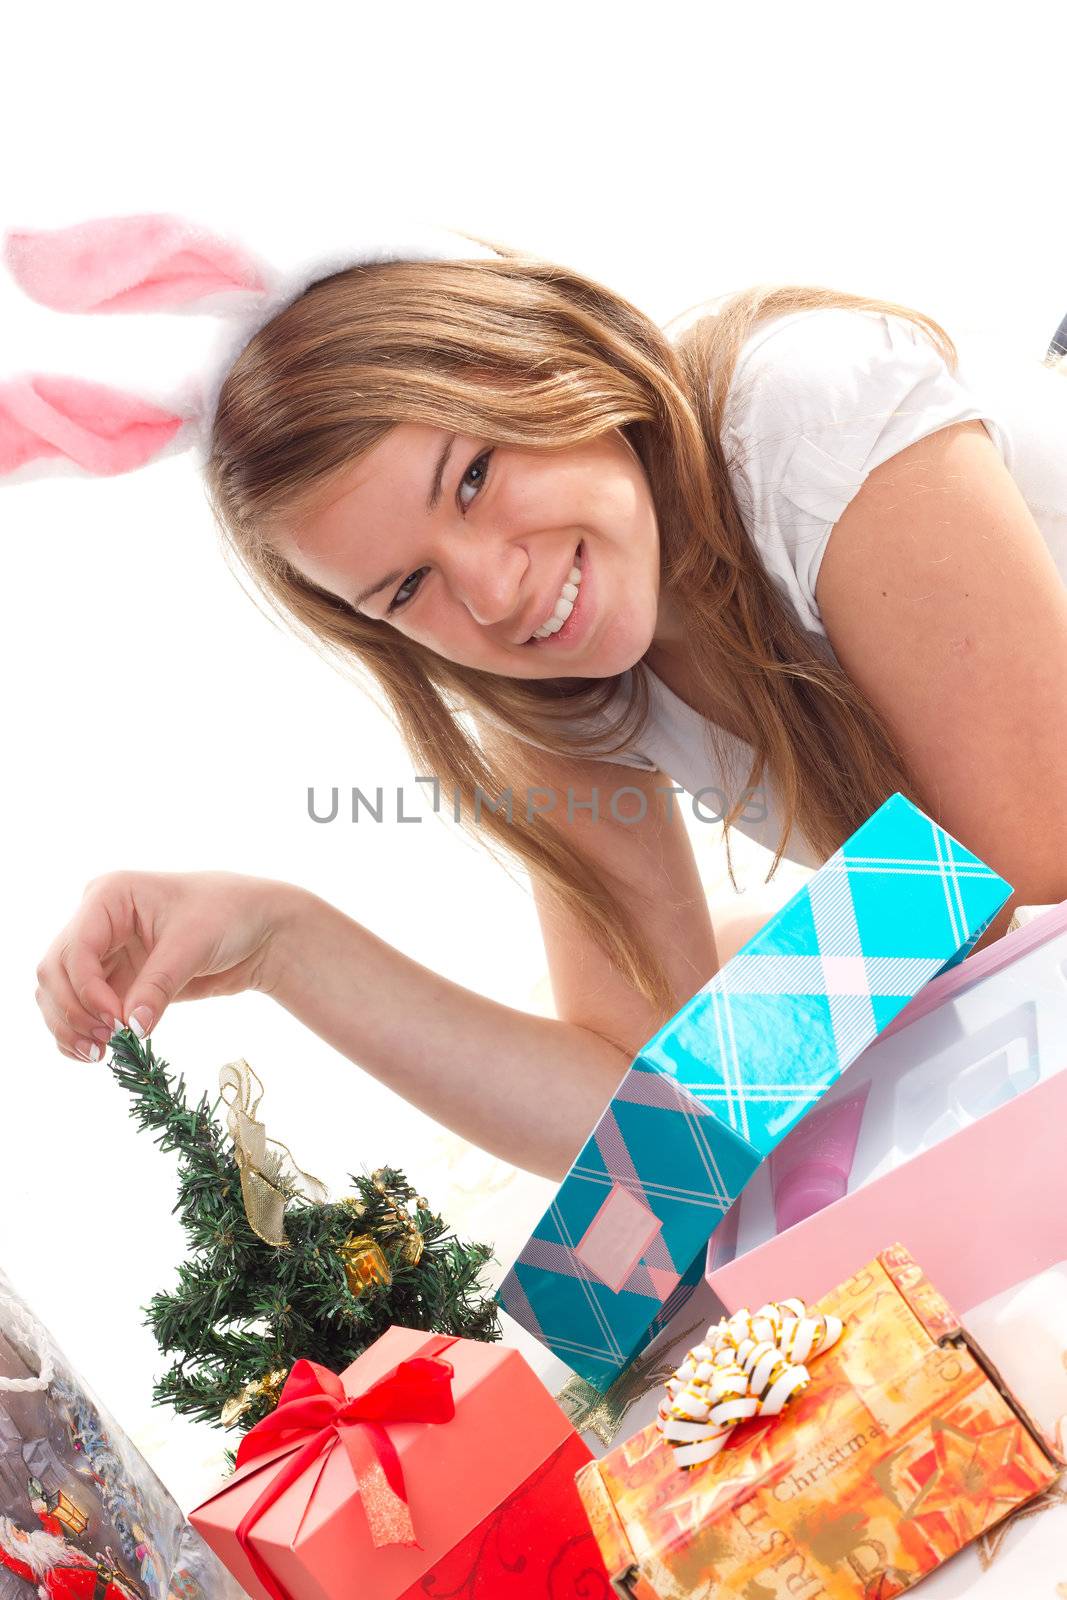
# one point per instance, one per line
(269, 1175)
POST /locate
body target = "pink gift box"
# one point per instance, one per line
(982, 1210)
(491, 1494)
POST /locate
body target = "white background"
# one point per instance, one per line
(156, 718)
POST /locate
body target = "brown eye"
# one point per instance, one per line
(396, 603)
(480, 464)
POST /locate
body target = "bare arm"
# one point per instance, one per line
(527, 1088)
(943, 603)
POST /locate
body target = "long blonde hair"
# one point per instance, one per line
(528, 353)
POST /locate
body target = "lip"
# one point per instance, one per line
(575, 626)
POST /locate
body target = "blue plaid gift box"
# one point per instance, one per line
(708, 1098)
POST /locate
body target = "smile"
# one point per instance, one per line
(564, 606)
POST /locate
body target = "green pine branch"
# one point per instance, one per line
(242, 1309)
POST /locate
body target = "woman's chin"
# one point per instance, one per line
(604, 657)
(623, 649)
(597, 663)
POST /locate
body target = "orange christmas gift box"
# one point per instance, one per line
(430, 1466)
(836, 1453)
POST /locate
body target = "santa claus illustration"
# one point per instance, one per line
(57, 1569)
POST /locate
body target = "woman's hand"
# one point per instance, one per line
(528, 1088)
(142, 939)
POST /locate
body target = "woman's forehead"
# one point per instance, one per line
(378, 472)
(394, 470)
(367, 500)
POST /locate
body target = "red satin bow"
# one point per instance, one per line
(314, 1413)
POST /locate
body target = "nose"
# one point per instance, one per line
(486, 576)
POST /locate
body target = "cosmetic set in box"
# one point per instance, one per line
(970, 1042)
(983, 1210)
(713, 1094)
(904, 1447)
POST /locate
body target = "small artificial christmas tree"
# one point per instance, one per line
(245, 1310)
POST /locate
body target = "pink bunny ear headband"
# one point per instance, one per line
(159, 262)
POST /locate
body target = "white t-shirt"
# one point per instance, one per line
(817, 401)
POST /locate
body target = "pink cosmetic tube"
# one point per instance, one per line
(810, 1169)
(982, 1211)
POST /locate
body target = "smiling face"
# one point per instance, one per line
(471, 549)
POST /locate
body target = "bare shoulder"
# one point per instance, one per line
(943, 603)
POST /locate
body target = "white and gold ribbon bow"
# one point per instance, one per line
(269, 1175)
(750, 1364)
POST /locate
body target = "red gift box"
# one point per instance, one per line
(430, 1466)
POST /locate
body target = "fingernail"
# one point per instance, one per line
(118, 1025)
(102, 1035)
(112, 1024)
(141, 1021)
(87, 1050)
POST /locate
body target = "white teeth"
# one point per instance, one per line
(563, 607)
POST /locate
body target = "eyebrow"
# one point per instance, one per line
(432, 500)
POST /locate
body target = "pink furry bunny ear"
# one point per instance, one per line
(159, 262)
(154, 262)
(101, 430)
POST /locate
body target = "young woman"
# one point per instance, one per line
(791, 559)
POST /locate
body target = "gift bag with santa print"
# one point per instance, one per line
(82, 1514)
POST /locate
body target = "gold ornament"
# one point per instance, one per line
(412, 1247)
(364, 1263)
(395, 1220)
(274, 1383)
(235, 1407)
(238, 1404)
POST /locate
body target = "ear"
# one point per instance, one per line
(101, 430)
(154, 262)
